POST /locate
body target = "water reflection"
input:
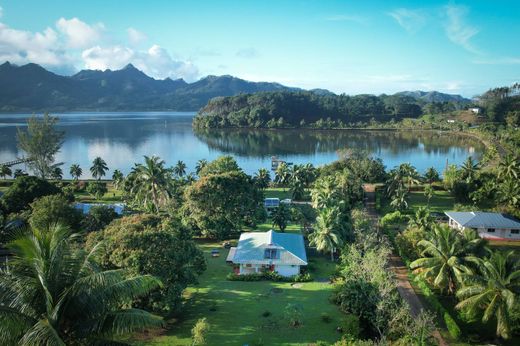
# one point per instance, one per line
(123, 138)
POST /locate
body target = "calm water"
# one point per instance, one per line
(123, 138)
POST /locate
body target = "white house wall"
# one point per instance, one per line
(287, 270)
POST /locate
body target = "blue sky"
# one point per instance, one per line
(345, 46)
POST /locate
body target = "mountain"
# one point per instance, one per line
(433, 96)
(32, 88)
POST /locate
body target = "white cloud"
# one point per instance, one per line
(135, 36)
(410, 20)
(79, 34)
(457, 30)
(248, 53)
(155, 62)
(346, 18)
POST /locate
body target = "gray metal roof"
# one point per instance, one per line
(271, 202)
(252, 245)
(480, 219)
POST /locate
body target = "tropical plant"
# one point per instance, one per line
(99, 168)
(431, 175)
(509, 167)
(75, 171)
(445, 257)
(41, 142)
(152, 183)
(199, 331)
(297, 188)
(421, 219)
(97, 189)
(469, 170)
(509, 192)
(56, 173)
(429, 193)
(327, 236)
(281, 216)
(24, 190)
(262, 178)
(493, 291)
(200, 165)
(282, 174)
(118, 179)
(5, 171)
(49, 210)
(179, 169)
(399, 199)
(53, 293)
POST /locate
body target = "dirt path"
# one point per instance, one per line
(404, 287)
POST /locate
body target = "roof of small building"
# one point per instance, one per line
(252, 245)
(480, 219)
(271, 202)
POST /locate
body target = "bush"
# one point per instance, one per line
(325, 317)
(49, 210)
(24, 191)
(199, 331)
(97, 189)
(272, 276)
(98, 217)
(351, 326)
(294, 314)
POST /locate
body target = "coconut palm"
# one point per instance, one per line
(324, 193)
(493, 291)
(75, 171)
(99, 168)
(200, 165)
(409, 174)
(151, 183)
(5, 171)
(56, 173)
(118, 179)
(469, 169)
(431, 175)
(179, 169)
(282, 175)
(262, 178)
(327, 235)
(445, 257)
(281, 217)
(509, 167)
(421, 219)
(53, 293)
(509, 192)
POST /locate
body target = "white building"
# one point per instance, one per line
(257, 252)
(475, 110)
(488, 225)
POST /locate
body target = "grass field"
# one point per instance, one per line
(238, 307)
(440, 202)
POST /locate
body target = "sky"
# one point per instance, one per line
(347, 47)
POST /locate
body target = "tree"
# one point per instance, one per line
(200, 165)
(281, 217)
(25, 190)
(179, 169)
(450, 177)
(234, 201)
(75, 171)
(145, 244)
(41, 142)
(399, 199)
(117, 179)
(199, 331)
(152, 184)
(49, 210)
(297, 188)
(56, 173)
(99, 168)
(429, 193)
(493, 292)
(431, 175)
(97, 218)
(509, 167)
(445, 257)
(282, 175)
(469, 169)
(222, 164)
(262, 178)
(19, 173)
(53, 293)
(5, 171)
(327, 235)
(422, 219)
(97, 189)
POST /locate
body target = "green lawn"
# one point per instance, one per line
(238, 320)
(441, 201)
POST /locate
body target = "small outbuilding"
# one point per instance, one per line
(488, 225)
(258, 252)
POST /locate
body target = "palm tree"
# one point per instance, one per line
(446, 256)
(282, 175)
(57, 173)
(281, 216)
(179, 169)
(509, 192)
(297, 188)
(324, 193)
(429, 193)
(151, 182)
(327, 235)
(422, 219)
(262, 178)
(118, 179)
(200, 165)
(75, 171)
(469, 169)
(431, 175)
(53, 293)
(493, 291)
(399, 199)
(99, 168)
(5, 171)
(409, 174)
(509, 167)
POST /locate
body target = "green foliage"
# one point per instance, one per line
(54, 294)
(5, 171)
(49, 210)
(407, 243)
(222, 164)
(97, 189)
(141, 244)
(200, 331)
(269, 276)
(294, 314)
(234, 201)
(262, 178)
(351, 326)
(75, 171)
(24, 190)
(99, 168)
(41, 142)
(325, 317)
(281, 216)
(98, 217)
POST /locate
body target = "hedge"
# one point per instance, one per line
(273, 276)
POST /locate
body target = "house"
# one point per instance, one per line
(257, 252)
(475, 110)
(488, 225)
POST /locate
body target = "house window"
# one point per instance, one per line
(491, 230)
(270, 254)
(248, 265)
(515, 231)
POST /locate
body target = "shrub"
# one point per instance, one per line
(49, 210)
(325, 317)
(97, 189)
(273, 276)
(25, 190)
(199, 331)
(98, 217)
(294, 314)
(351, 326)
